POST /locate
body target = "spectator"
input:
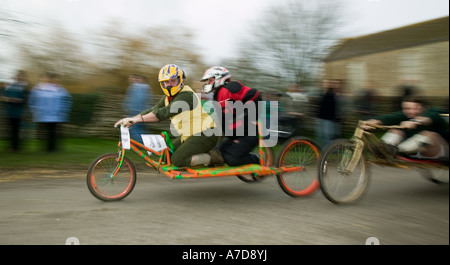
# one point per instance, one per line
(365, 104)
(328, 127)
(407, 87)
(138, 97)
(14, 98)
(50, 106)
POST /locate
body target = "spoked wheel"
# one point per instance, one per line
(299, 152)
(101, 180)
(339, 183)
(267, 156)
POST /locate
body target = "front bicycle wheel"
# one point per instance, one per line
(101, 180)
(298, 152)
(339, 182)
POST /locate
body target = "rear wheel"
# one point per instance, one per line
(339, 184)
(101, 180)
(299, 152)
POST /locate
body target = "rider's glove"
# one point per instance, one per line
(127, 122)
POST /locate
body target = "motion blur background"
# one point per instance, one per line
(280, 47)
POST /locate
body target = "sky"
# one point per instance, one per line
(217, 24)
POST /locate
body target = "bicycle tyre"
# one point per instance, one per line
(299, 151)
(338, 186)
(99, 179)
(268, 158)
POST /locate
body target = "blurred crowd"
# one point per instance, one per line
(50, 105)
(48, 102)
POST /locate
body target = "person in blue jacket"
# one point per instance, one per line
(139, 96)
(50, 105)
(14, 98)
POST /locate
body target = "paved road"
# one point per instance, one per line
(47, 207)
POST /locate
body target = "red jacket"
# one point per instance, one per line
(236, 91)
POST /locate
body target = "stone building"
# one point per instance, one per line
(417, 54)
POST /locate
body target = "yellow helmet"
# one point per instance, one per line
(168, 72)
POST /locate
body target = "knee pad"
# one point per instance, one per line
(392, 138)
(414, 144)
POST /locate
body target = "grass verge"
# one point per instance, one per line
(75, 153)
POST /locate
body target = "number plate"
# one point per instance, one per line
(125, 136)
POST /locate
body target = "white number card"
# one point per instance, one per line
(154, 141)
(125, 136)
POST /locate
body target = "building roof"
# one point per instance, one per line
(427, 32)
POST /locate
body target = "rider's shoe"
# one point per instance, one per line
(392, 149)
(216, 157)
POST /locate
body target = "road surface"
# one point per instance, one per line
(48, 207)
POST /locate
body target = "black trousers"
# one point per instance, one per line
(236, 154)
(14, 133)
(50, 131)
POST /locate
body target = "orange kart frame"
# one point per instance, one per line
(164, 165)
(112, 176)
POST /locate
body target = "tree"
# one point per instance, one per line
(121, 52)
(11, 29)
(290, 40)
(56, 50)
(105, 59)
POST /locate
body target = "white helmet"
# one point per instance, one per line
(221, 75)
